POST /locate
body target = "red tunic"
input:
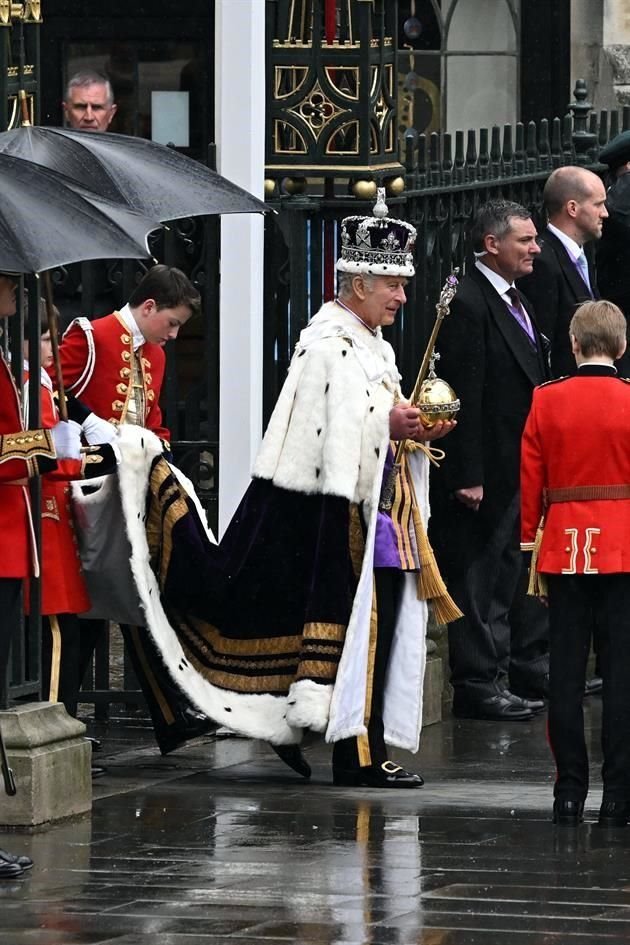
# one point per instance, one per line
(18, 461)
(101, 377)
(63, 588)
(577, 434)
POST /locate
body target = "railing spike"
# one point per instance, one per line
(556, 142)
(544, 149)
(614, 124)
(484, 155)
(471, 155)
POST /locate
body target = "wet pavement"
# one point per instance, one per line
(220, 843)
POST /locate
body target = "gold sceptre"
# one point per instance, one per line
(435, 398)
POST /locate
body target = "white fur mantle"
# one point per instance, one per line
(329, 434)
(257, 716)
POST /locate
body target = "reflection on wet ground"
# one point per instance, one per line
(220, 843)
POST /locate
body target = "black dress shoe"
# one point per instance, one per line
(293, 757)
(614, 814)
(497, 708)
(534, 705)
(190, 724)
(10, 870)
(387, 775)
(593, 685)
(97, 772)
(568, 813)
(24, 862)
(96, 743)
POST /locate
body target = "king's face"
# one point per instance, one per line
(383, 297)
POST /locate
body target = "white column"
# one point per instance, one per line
(240, 130)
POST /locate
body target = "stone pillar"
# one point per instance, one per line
(600, 50)
(51, 762)
(587, 38)
(240, 136)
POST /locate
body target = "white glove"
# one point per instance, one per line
(67, 439)
(96, 430)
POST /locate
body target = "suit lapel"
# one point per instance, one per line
(569, 270)
(516, 339)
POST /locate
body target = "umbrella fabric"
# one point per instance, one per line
(145, 176)
(47, 221)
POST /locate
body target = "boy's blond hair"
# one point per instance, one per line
(599, 328)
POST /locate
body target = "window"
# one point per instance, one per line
(458, 64)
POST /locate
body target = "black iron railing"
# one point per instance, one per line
(446, 178)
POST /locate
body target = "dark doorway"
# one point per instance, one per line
(147, 49)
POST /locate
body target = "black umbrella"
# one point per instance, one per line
(46, 220)
(143, 175)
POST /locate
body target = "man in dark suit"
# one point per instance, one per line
(575, 201)
(613, 250)
(563, 278)
(493, 355)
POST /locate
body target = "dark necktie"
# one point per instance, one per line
(519, 313)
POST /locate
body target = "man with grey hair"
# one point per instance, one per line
(89, 101)
(493, 355)
(563, 277)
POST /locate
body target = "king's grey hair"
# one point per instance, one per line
(344, 283)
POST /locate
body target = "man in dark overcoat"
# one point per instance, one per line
(563, 276)
(493, 354)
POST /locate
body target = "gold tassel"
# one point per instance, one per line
(537, 586)
(431, 586)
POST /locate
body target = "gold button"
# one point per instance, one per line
(567, 550)
(122, 388)
(126, 356)
(126, 339)
(593, 550)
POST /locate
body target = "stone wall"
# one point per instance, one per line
(600, 50)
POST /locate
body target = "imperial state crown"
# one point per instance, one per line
(379, 245)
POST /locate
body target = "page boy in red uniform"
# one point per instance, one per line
(115, 366)
(64, 593)
(24, 453)
(575, 470)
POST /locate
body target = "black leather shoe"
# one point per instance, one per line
(568, 813)
(10, 870)
(614, 814)
(24, 862)
(96, 743)
(97, 771)
(190, 724)
(534, 705)
(293, 757)
(387, 775)
(593, 685)
(497, 708)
